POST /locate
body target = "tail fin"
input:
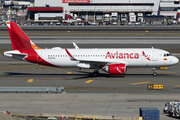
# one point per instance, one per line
(19, 39)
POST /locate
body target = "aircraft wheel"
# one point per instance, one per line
(154, 74)
(95, 74)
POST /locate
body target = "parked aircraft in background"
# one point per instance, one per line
(114, 61)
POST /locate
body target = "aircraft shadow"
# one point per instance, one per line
(84, 75)
(80, 76)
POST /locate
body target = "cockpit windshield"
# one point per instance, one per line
(167, 54)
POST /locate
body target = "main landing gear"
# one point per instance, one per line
(95, 73)
(154, 72)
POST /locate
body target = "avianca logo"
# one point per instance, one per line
(143, 53)
(118, 55)
(118, 70)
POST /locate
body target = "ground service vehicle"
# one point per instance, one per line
(123, 17)
(48, 16)
(114, 16)
(106, 17)
(132, 17)
(113, 61)
(172, 108)
(140, 17)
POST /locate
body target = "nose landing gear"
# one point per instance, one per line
(95, 73)
(154, 72)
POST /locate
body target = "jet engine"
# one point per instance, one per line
(115, 69)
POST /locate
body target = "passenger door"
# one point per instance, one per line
(154, 55)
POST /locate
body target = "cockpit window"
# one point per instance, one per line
(167, 54)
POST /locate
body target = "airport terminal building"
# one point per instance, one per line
(168, 8)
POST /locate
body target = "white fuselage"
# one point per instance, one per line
(130, 57)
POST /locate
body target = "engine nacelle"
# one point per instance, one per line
(83, 65)
(115, 69)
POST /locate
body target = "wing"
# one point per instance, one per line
(100, 62)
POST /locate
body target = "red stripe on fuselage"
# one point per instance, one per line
(32, 56)
(69, 54)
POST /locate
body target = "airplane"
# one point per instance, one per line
(113, 61)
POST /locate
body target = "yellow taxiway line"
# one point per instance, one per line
(88, 81)
(177, 86)
(30, 80)
(140, 83)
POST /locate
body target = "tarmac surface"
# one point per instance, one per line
(162, 42)
(100, 104)
(98, 31)
(105, 95)
(136, 79)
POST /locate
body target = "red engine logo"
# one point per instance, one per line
(117, 69)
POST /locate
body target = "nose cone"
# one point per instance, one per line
(176, 60)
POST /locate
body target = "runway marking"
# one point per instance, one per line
(177, 86)
(88, 81)
(140, 83)
(147, 31)
(30, 80)
(68, 31)
(68, 72)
